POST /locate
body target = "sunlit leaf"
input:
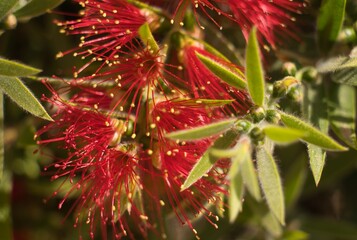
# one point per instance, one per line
(342, 112)
(202, 131)
(236, 189)
(147, 37)
(329, 22)
(283, 134)
(37, 7)
(314, 136)
(315, 111)
(11, 68)
(6, 6)
(22, 96)
(254, 69)
(205, 102)
(206, 162)
(271, 184)
(249, 174)
(233, 78)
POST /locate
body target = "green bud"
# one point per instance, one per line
(289, 68)
(282, 87)
(273, 116)
(257, 135)
(243, 126)
(307, 74)
(258, 114)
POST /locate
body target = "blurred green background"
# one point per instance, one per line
(328, 211)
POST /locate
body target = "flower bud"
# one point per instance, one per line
(243, 126)
(272, 116)
(258, 114)
(257, 135)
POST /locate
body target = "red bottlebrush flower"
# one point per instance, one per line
(205, 84)
(139, 76)
(176, 159)
(273, 18)
(106, 27)
(110, 192)
(81, 130)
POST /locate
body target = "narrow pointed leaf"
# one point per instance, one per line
(314, 136)
(329, 22)
(254, 69)
(272, 224)
(206, 102)
(283, 134)
(342, 113)
(147, 37)
(235, 196)
(22, 96)
(11, 68)
(271, 184)
(250, 177)
(206, 162)
(202, 131)
(315, 111)
(6, 6)
(234, 78)
(36, 8)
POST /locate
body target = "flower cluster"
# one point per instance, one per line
(112, 118)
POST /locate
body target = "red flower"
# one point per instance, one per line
(176, 159)
(273, 18)
(204, 84)
(81, 130)
(106, 27)
(109, 192)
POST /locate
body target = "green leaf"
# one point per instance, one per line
(11, 68)
(254, 69)
(233, 77)
(206, 162)
(282, 134)
(147, 37)
(329, 22)
(342, 112)
(271, 224)
(315, 111)
(21, 95)
(36, 8)
(249, 173)
(202, 101)
(314, 136)
(202, 131)
(6, 6)
(236, 190)
(271, 184)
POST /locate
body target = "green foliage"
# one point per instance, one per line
(314, 136)
(233, 78)
(254, 70)
(330, 21)
(6, 6)
(19, 93)
(271, 183)
(203, 131)
(36, 8)
(15, 69)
